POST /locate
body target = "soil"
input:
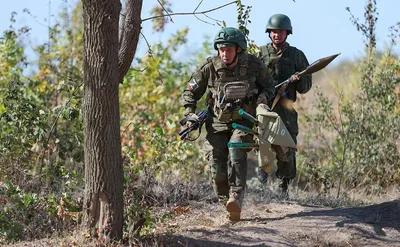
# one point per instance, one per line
(268, 220)
(263, 223)
(287, 223)
(300, 220)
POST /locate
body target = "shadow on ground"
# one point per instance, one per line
(384, 215)
(193, 242)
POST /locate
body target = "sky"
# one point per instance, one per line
(320, 27)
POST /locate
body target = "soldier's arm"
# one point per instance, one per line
(304, 84)
(196, 87)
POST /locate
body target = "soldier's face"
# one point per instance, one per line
(278, 36)
(227, 54)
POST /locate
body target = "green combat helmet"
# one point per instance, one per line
(279, 22)
(229, 36)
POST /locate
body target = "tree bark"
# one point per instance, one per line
(129, 32)
(103, 198)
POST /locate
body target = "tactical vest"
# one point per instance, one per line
(283, 68)
(229, 94)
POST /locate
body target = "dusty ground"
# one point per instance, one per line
(287, 223)
(268, 220)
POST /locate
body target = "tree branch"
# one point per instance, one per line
(152, 57)
(185, 13)
(203, 14)
(129, 32)
(166, 11)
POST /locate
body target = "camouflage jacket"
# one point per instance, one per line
(291, 60)
(282, 64)
(213, 70)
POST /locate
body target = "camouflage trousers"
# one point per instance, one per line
(287, 166)
(228, 166)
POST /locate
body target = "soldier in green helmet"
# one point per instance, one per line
(235, 80)
(284, 61)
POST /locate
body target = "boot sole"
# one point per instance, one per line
(234, 211)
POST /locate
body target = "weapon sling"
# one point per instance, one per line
(271, 67)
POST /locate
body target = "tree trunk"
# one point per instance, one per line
(103, 199)
(129, 32)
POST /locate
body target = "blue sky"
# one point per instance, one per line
(320, 27)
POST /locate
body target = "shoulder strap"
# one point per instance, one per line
(283, 50)
(271, 66)
(244, 60)
(213, 71)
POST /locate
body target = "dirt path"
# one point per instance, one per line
(269, 223)
(288, 224)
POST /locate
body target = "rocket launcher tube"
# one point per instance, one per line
(248, 116)
(241, 145)
(244, 128)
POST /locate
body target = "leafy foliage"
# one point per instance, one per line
(162, 11)
(41, 134)
(21, 113)
(362, 151)
(243, 21)
(150, 108)
(150, 112)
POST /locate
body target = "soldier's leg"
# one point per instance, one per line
(262, 171)
(237, 175)
(216, 153)
(238, 160)
(287, 166)
(286, 169)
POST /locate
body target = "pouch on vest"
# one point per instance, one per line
(235, 91)
(229, 100)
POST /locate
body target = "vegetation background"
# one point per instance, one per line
(349, 148)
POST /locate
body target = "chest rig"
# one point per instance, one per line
(231, 91)
(281, 65)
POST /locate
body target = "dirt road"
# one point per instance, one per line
(288, 224)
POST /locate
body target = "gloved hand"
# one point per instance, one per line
(192, 115)
(262, 99)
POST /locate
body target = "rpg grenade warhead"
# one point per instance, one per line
(273, 138)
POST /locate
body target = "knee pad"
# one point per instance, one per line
(237, 154)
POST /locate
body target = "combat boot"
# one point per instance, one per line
(234, 204)
(283, 188)
(262, 175)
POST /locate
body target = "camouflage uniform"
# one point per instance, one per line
(219, 131)
(291, 60)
